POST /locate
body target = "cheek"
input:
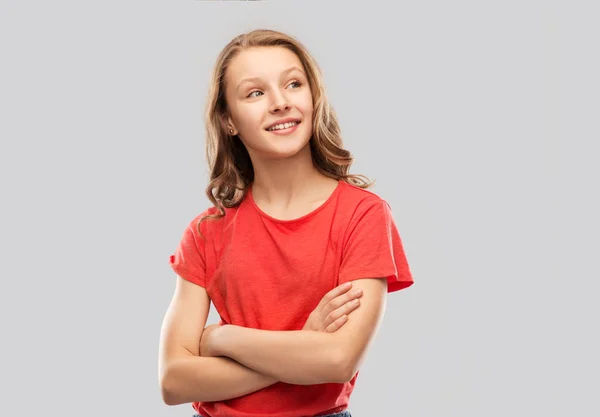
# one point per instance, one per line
(305, 105)
(249, 118)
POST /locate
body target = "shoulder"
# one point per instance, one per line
(358, 199)
(207, 222)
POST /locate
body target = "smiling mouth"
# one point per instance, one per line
(284, 126)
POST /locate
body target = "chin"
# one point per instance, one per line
(284, 153)
(287, 147)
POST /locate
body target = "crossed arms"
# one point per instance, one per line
(243, 360)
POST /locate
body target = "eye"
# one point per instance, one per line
(255, 91)
(258, 91)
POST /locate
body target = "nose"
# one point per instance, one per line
(280, 104)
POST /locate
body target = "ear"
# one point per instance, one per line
(227, 123)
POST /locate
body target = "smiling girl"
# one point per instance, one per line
(290, 231)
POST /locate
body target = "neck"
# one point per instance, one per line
(279, 181)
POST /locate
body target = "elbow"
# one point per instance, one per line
(345, 367)
(345, 374)
(167, 390)
(168, 398)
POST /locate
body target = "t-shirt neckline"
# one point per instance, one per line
(297, 219)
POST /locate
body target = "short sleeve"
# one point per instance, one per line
(373, 248)
(188, 260)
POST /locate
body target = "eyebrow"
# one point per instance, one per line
(290, 69)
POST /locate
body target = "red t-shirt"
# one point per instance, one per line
(270, 274)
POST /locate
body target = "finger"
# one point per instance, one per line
(346, 309)
(333, 327)
(342, 299)
(332, 316)
(336, 292)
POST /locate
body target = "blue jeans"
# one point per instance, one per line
(344, 413)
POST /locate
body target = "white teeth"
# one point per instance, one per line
(283, 126)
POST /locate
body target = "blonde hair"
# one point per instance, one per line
(229, 163)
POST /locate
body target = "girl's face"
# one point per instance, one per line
(264, 86)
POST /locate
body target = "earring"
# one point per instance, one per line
(231, 131)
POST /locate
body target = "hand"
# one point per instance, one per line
(207, 340)
(332, 311)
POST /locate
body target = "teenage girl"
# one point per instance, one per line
(290, 232)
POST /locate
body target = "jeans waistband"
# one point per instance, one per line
(344, 413)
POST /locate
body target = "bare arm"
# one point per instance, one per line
(307, 357)
(196, 378)
(184, 375)
(301, 357)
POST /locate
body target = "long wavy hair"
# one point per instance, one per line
(230, 166)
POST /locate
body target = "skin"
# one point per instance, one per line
(302, 356)
(187, 374)
(286, 184)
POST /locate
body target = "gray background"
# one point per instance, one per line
(478, 120)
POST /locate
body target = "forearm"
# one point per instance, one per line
(301, 357)
(196, 378)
